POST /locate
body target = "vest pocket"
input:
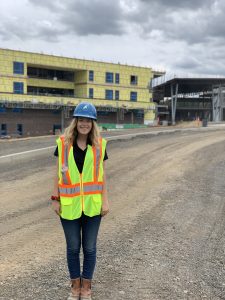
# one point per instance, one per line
(66, 200)
(71, 207)
(93, 205)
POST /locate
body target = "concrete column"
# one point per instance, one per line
(132, 117)
(173, 102)
(117, 116)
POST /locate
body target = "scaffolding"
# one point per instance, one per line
(218, 100)
(30, 105)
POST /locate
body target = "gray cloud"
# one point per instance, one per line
(83, 17)
(188, 20)
(99, 18)
(29, 30)
(27, 22)
(181, 34)
(53, 6)
(187, 63)
(178, 4)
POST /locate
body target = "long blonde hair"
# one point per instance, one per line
(71, 133)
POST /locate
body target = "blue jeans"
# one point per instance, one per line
(83, 230)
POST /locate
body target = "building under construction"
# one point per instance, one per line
(39, 92)
(189, 97)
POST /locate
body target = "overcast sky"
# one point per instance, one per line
(179, 36)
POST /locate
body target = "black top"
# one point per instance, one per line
(79, 155)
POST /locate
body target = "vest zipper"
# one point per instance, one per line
(81, 192)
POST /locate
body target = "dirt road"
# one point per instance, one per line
(163, 239)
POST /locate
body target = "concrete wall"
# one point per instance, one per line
(37, 122)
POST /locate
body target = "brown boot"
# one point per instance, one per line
(85, 293)
(75, 289)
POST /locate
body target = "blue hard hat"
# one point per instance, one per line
(86, 110)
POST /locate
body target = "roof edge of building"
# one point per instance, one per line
(73, 58)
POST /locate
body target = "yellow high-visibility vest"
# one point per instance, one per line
(80, 192)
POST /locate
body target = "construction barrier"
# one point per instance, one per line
(107, 126)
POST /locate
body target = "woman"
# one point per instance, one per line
(80, 195)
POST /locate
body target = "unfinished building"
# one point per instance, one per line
(38, 92)
(186, 98)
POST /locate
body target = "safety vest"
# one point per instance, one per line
(80, 192)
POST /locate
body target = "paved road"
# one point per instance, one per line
(9, 147)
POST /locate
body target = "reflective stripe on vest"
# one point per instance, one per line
(73, 191)
(89, 189)
(70, 191)
(65, 169)
(97, 152)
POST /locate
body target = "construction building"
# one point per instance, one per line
(189, 97)
(39, 92)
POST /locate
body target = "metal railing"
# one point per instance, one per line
(170, 76)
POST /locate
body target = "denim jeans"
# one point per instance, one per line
(83, 230)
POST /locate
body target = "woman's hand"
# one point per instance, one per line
(105, 208)
(56, 207)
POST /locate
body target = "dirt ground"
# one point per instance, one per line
(163, 239)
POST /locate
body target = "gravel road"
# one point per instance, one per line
(163, 239)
